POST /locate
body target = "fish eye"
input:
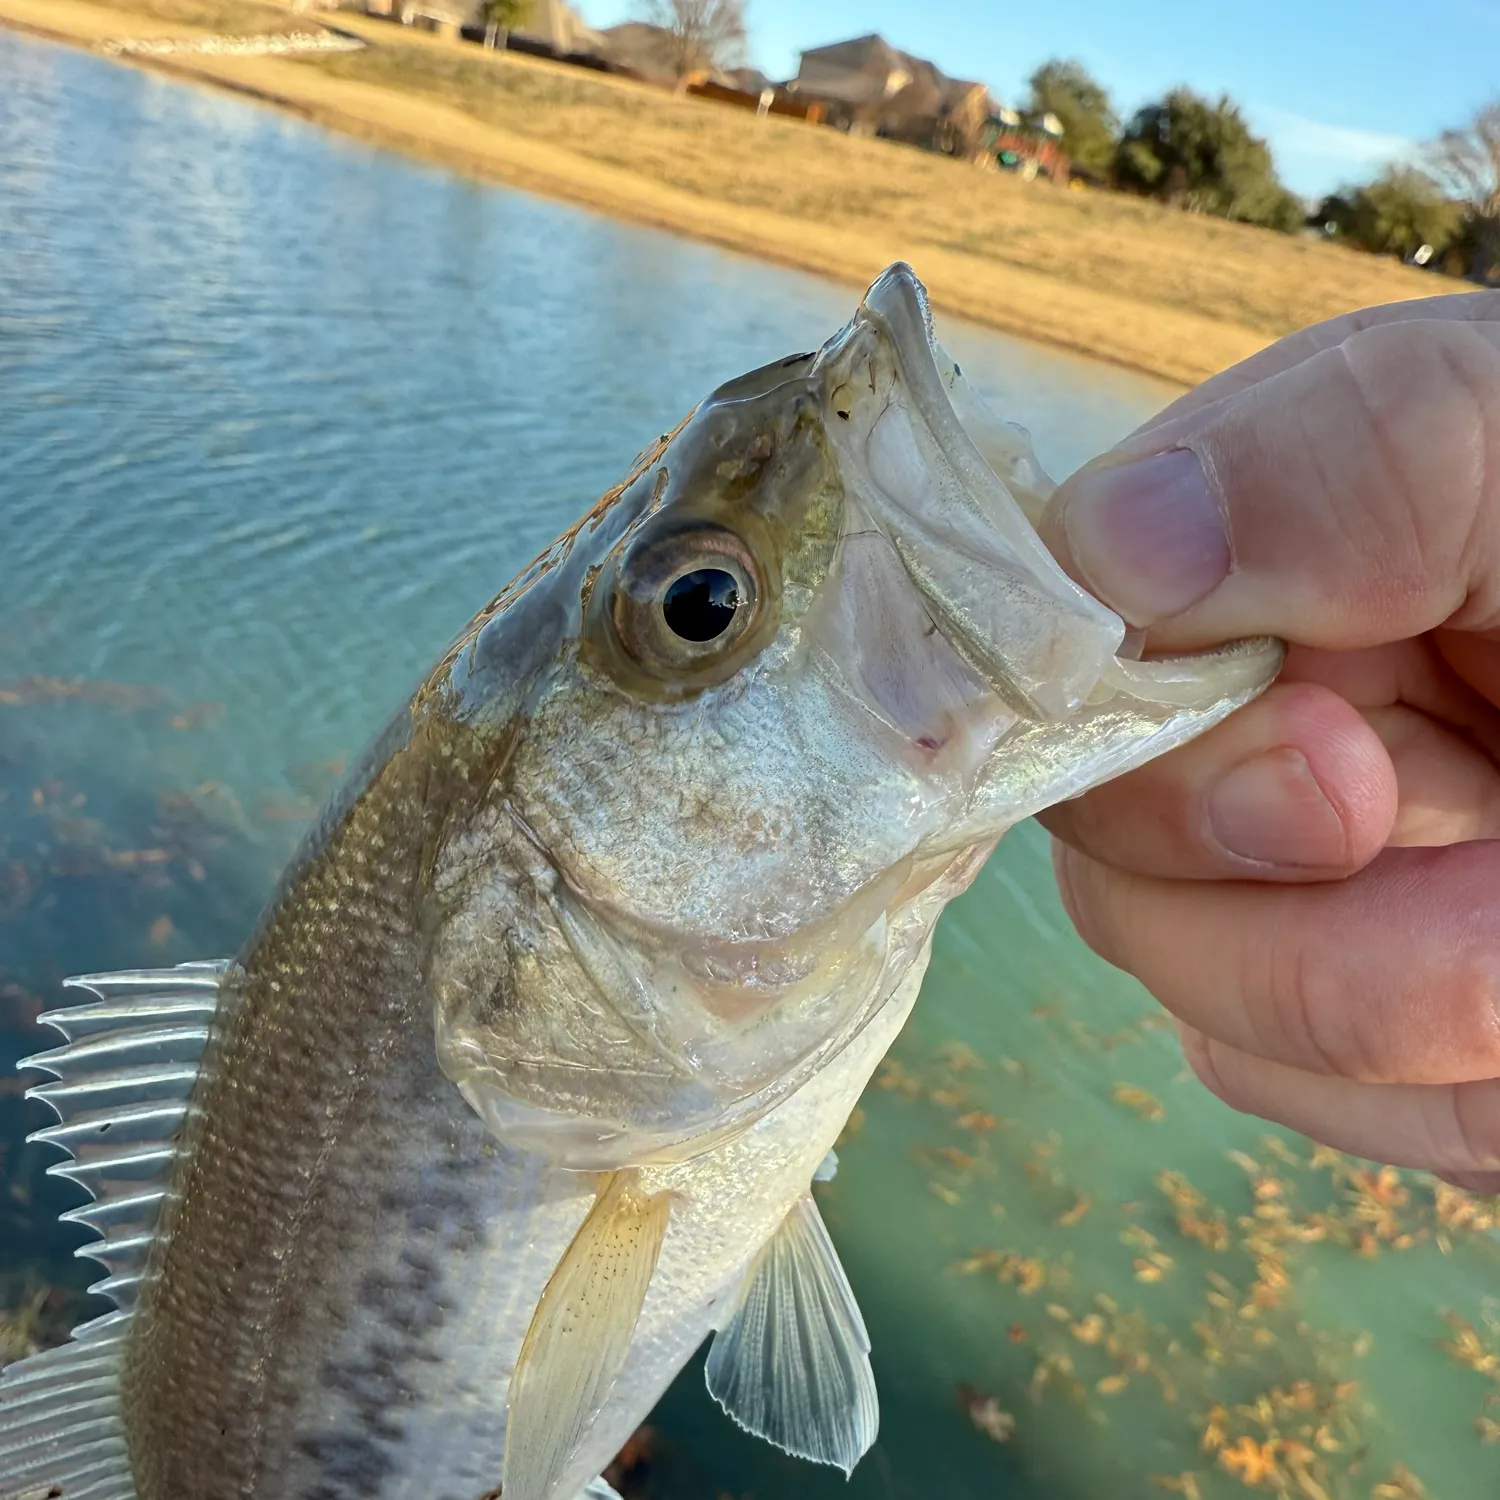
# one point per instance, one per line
(683, 599)
(700, 605)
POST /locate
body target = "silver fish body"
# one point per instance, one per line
(517, 1092)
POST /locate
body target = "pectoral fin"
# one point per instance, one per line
(599, 1489)
(580, 1334)
(792, 1364)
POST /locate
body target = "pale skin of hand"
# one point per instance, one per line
(1326, 925)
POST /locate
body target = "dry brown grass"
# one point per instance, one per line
(222, 17)
(1120, 277)
(1111, 242)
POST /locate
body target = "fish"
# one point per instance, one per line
(516, 1094)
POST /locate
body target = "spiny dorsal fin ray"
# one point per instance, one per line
(580, 1334)
(792, 1364)
(156, 1120)
(131, 1045)
(122, 1082)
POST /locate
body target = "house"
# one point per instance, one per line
(862, 74)
(644, 51)
(749, 80)
(556, 26)
(658, 55)
(869, 87)
(550, 26)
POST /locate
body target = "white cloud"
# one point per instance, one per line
(1299, 135)
(1313, 157)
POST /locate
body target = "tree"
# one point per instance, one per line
(1064, 87)
(704, 33)
(1467, 161)
(500, 18)
(1202, 157)
(1396, 214)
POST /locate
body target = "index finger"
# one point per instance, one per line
(1348, 500)
(1459, 307)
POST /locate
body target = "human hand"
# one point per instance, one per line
(1311, 887)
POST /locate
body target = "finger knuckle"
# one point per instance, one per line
(1112, 910)
(1309, 1009)
(1429, 418)
(1463, 1019)
(1202, 1058)
(1345, 1019)
(1466, 1133)
(1077, 886)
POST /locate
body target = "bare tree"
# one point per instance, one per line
(705, 33)
(1467, 161)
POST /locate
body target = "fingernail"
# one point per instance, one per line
(1271, 810)
(1148, 536)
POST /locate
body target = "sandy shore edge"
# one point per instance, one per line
(1164, 342)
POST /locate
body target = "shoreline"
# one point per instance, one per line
(1170, 343)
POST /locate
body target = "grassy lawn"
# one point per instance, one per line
(225, 17)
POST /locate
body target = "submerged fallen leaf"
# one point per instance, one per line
(1068, 1219)
(1146, 1105)
(1402, 1485)
(986, 1414)
(1180, 1484)
(1250, 1462)
(1089, 1329)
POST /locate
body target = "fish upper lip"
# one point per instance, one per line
(1053, 647)
(1028, 631)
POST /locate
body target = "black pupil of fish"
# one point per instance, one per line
(699, 605)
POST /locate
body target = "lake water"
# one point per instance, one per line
(276, 413)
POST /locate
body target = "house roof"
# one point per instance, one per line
(867, 70)
(641, 47)
(651, 51)
(858, 55)
(749, 80)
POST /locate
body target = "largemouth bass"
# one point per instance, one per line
(517, 1091)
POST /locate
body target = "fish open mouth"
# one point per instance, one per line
(945, 612)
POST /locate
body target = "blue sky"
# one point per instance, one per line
(1336, 86)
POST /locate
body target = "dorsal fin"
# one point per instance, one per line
(121, 1085)
(792, 1362)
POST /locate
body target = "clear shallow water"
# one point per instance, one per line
(276, 413)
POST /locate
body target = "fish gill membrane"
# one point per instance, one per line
(517, 1091)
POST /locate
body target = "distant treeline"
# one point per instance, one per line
(1200, 155)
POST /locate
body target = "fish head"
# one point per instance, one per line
(748, 727)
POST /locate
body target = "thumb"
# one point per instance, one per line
(1348, 500)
